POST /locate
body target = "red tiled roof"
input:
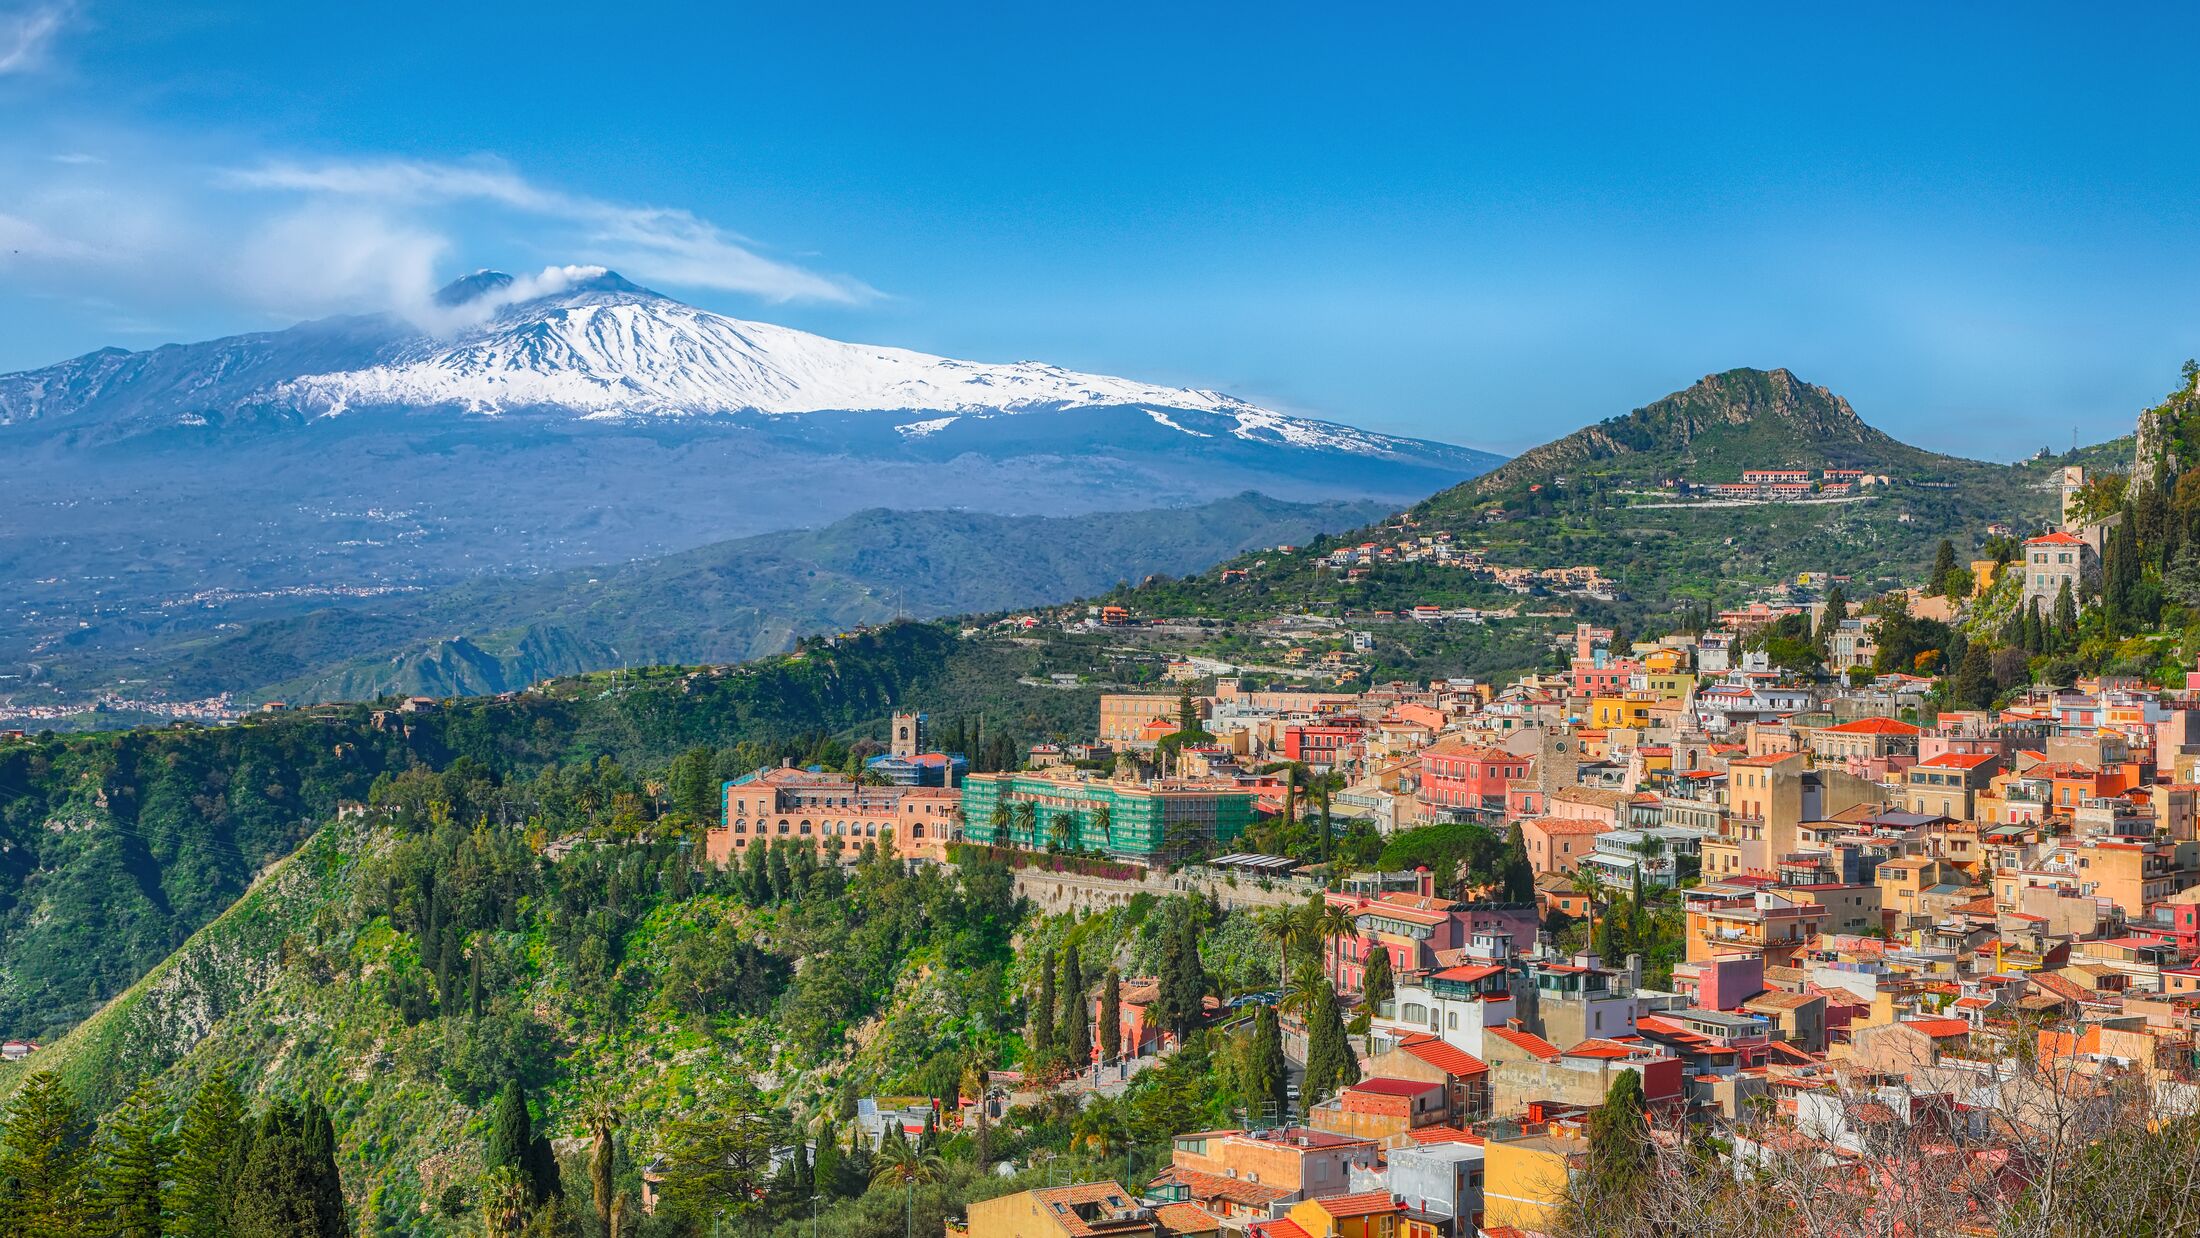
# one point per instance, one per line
(1523, 1040)
(1873, 726)
(1216, 1186)
(1366, 1203)
(1468, 973)
(1959, 760)
(1939, 1029)
(2057, 538)
(1444, 1056)
(1285, 1228)
(1443, 1134)
(1391, 1087)
(1186, 1219)
(1598, 1046)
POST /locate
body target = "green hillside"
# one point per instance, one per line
(115, 847)
(1598, 497)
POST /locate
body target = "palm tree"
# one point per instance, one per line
(900, 1161)
(1306, 985)
(505, 1199)
(1590, 887)
(1103, 818)
(1027, 821)
(1333, 923)
(1061, 830)
(1286, 926)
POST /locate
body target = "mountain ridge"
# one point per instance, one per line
(1730, 409)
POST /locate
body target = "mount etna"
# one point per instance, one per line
(566, 419)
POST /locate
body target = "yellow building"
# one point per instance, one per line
(1086, 1210)
(1608, 713)
(1370, 1214)
(1669, 685)
(1524, 1180)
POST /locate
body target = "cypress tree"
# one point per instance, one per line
(1831, 618)
(1076, 1025)
(42, 1162)
(825, 1169)
(1944, 562)
(288, 1185)
(206, 1159)
(1974, 681)
(1518, 875)
(2066, 618)
(135, 1149)
(1619, 1142)
(1379, 986)
(1271, 1073)
(1042, 1013)
(511, 1131)
(1324, 789)
(1330, 1064)
(755, 880)
(1111, 1017)
(1183, 980)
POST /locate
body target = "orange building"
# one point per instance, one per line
(818, 809)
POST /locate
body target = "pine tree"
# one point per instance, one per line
(1076, 1024)
(206, 1156)
(1330, 1063)
(1042, 1013)
(42, 1162)
(1111, 1017)
(134, 1154)
(1378, 986)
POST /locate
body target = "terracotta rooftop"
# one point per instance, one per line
(1533, 1044)
(1939, 1029)
(1444, 1056)
(1872, 726)
(1380, 1086)
(1366, 1203)
(1186, 1219)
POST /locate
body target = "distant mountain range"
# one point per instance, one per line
(564, 419)
(726, 602)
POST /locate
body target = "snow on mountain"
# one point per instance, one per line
(605, 348)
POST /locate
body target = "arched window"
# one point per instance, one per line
(805, 828)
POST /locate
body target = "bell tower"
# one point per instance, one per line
(909, 738)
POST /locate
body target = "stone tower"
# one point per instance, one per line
(909, 738)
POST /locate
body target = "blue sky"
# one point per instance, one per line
(1486, 224)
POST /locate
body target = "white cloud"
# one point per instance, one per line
(331, 255)
(648, 243)
(26, 34)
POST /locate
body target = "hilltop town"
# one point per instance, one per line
(1816, 904)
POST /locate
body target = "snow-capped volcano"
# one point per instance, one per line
(602, 347)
